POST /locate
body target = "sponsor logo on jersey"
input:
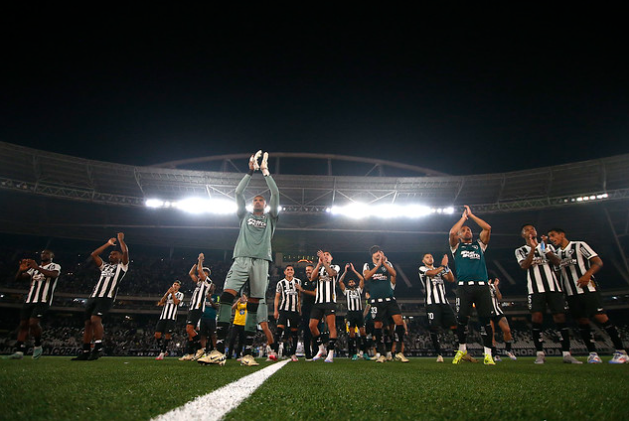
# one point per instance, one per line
(472, 255)
(256, 223)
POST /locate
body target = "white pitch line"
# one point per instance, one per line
(217, 404)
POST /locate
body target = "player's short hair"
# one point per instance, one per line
(526, 225)
(374, 249)
(310, 265)
(558, 230)
(289, 266)
(426, 254)
(207, 271)
(52, 253)
(259, 195)
(177, 281)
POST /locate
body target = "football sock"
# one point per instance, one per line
(295, 338)
(87, 348)
(379, 343)
(461, 331)
(160, 343)
(165, 345)
(494, 351)
(399, 333)
(277, 337)
(435, 342)
(21, 347)
(565, 336)
(249, 343)
(331, 344)
(537, 337)
(98, 345)
(38, 341)
(586, 335)
(613, 334)
(485, 333)
(508, 345)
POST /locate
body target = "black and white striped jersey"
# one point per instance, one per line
(289, 294)
(110, 278)
(575, 261)
(197, 302)
(169, 312)
(495, 303)
(326, 286)
(42, 287)
(540, 276)
(354, 298)
(434, 286)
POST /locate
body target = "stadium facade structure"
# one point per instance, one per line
(60, 196)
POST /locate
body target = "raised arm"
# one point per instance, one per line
(387, 265)
(240, 193)
(123, 248)
(274, 201)
(342, 278)
(22, 272)
(367, 274)
(200, 272)
(486, 228)
(454, 231)
(361, 279)
(96, 253)
(193, 273)
(162, 301)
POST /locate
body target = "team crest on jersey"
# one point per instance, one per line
(256, 223)
(474, 246)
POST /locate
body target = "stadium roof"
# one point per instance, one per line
(61, 196)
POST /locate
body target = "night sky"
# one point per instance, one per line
(423, 89)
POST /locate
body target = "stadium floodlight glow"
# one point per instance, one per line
(267, 208)
(358, 210)
(587, 198)
(154, 203)
(196, 205)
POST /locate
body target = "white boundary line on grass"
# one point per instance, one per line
(217, 404)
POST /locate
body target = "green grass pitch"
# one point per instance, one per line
(141, 388)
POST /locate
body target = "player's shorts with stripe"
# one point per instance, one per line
(384, 309)
(33, 310)
(244, 269)
(554, 300)
(98, 306)
(585, 305)
(440, 315)
(193, 317)
(355, 319)
(321, 310)
(475, 294)
(165, 326)
(288, 318)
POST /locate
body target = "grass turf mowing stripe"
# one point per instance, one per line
(217, 404)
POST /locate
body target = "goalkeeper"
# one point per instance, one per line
(252, 254)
